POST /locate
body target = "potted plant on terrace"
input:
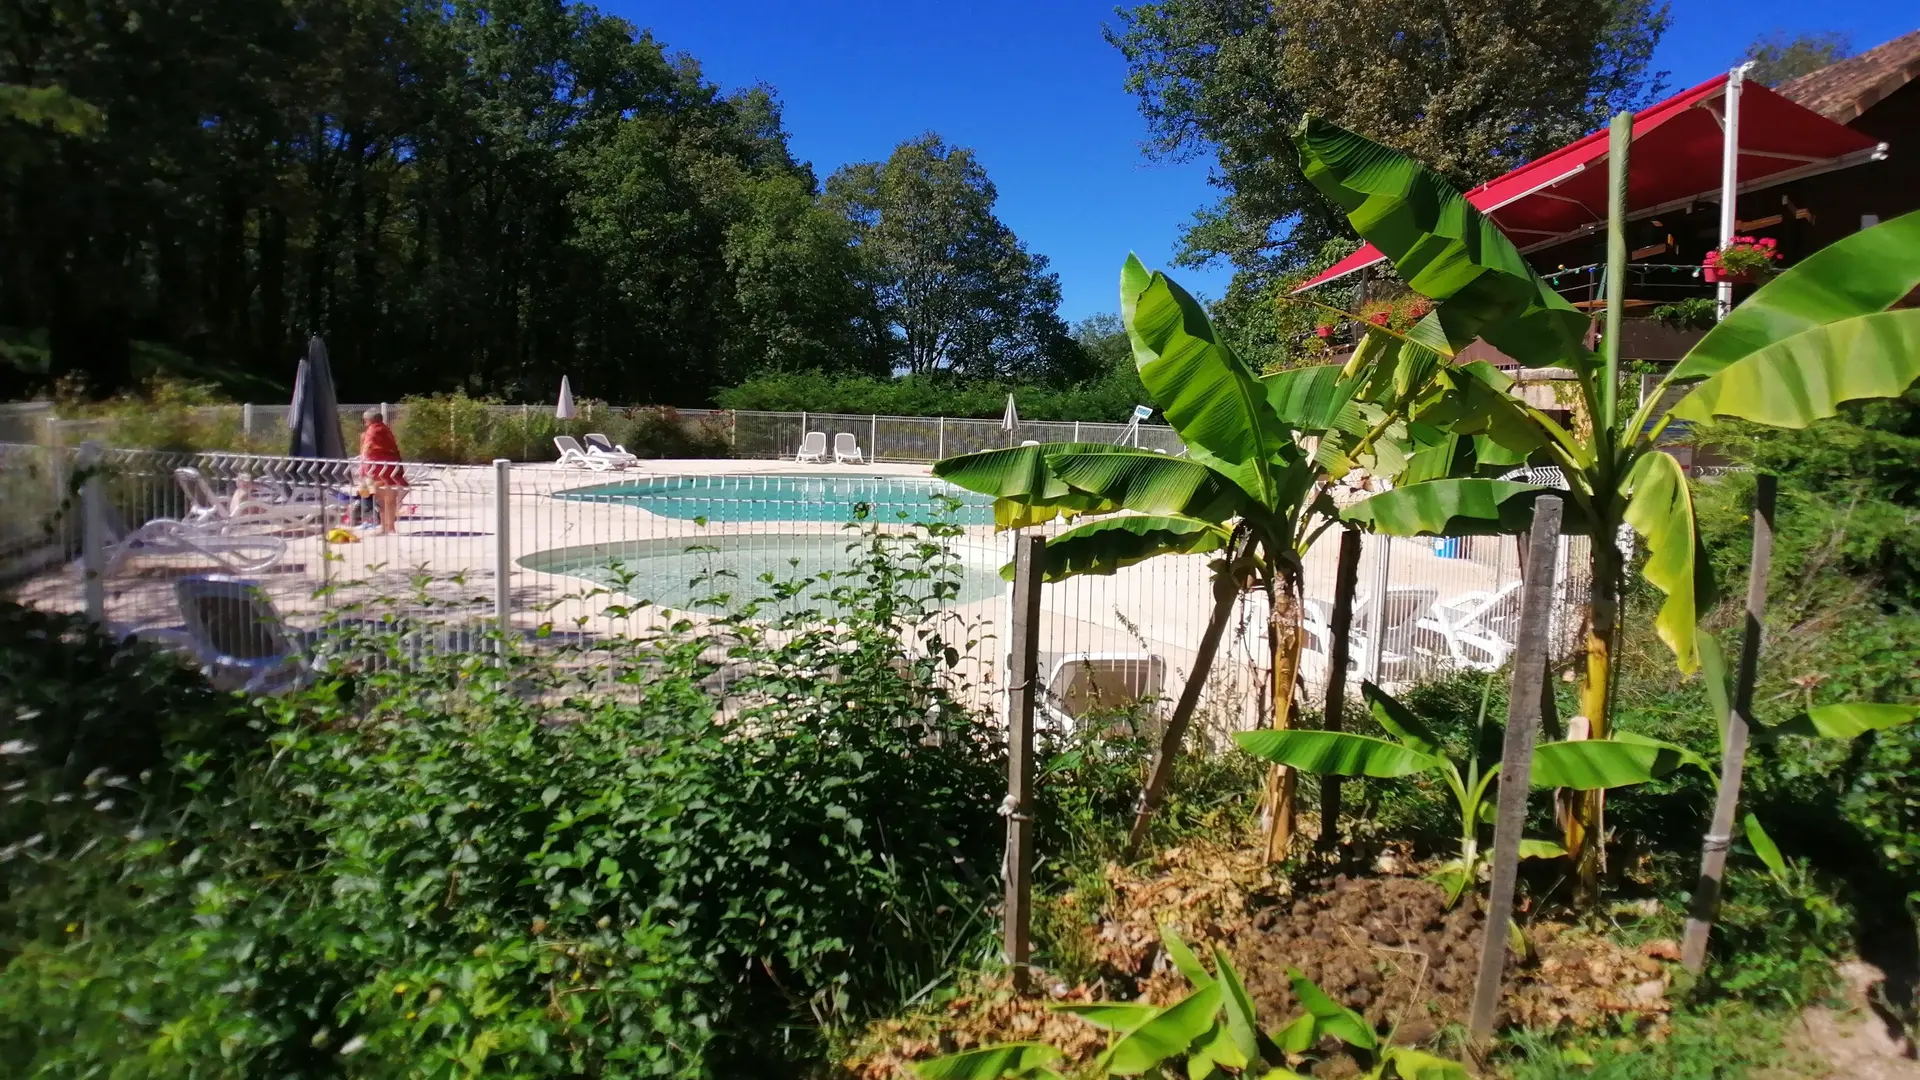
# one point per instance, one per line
(1742, 261)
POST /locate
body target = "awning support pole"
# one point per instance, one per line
(1730, 178)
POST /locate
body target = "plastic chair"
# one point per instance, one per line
(240, 553)
(845, 449)
(1405, 607)
(1475, 626)
(813, 448)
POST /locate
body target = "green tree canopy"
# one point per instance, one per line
(955, 289)
(1780, 56)
(1473, 87)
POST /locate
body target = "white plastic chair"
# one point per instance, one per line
(845, 449)
(1475, 626)
(236, 634)
(813, 448)
(1081, 683)
(572, 457)
(598, 445)
(1405, 607)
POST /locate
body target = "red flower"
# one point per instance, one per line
(1768, 242)
(1378, 318)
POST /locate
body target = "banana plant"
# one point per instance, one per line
(1213, 1032)
(1250, 489)
(1817, 336)
(1415, 749)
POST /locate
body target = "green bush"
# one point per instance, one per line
(603, 864)
(1107, 400)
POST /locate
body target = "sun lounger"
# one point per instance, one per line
(573, 457)
(598, 445)
(845, 449)
(241, 552)
(1092, 682)
(1405, 607)
(1477, 626)
(233, 631)
(249, 508)
(813, 448)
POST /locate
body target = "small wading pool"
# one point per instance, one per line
(788, 497)
(670, 575)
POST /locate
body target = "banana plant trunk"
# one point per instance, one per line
(1226, 589)
(1283, 632)
(1585, 824)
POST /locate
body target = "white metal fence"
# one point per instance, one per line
(566, 554)
(749, 434)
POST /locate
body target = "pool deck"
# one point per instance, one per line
(442, 564)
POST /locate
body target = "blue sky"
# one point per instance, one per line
(1037, 93)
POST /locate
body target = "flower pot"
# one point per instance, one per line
(1715, 275)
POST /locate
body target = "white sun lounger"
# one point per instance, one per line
(234, 632)
(813, 447)
(244, 510)
(845, 449)
(573, 457)
(1086, 682)
(598, 445)
(1406, 606)
(1475, 626)
(240, 552)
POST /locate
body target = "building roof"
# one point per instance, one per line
(1842, 91)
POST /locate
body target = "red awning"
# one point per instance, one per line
(1677, 147)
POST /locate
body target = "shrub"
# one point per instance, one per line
(596, 866)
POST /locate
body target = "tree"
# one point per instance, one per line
(1474, 87)
(955, 289)
(1817, 336)
(1777, 57)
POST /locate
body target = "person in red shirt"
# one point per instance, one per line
(378, 447)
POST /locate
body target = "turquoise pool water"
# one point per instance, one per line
(788, 497)
(724, 572)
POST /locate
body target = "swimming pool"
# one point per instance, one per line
(789, 497)
(713, 573)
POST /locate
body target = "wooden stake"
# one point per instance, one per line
(1516, 761)
(1029, 563)
(1226, 590)
(1346, 578)
(1713, 854)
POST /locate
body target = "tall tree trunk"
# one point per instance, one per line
(1226, 589)
(1585, 824)
(1283, 634)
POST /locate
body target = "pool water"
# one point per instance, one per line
(790, 497)
(724, 572)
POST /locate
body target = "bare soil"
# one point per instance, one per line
(1387, 947)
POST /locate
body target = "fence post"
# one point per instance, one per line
(246, 419)
(93, 534)
(1516, 759)
(502, 550)
(1733, 750)
(1076, 431)
(942, 453)
(1346, 579)
(1028, 566)
(873, 437)
(1377, 610)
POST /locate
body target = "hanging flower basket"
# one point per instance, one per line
(1744, 261)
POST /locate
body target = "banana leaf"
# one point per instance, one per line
(1242, 1025)
(1859, 275)
(1620, 761)
(1021, 1059)
(1399, 720)
(1445, 249)
(1314, 399)
(1107, 545)
(1205, 392)
(1170, 1033)
(1792, 382)
(1183, 957)
(1458, 507)
(1149, 483)
(1336, 753)
(1764, 847)
(1109, 1015)
(1847, 721)
(1409, 1064)
(1660, 509)
(1329, 1016)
